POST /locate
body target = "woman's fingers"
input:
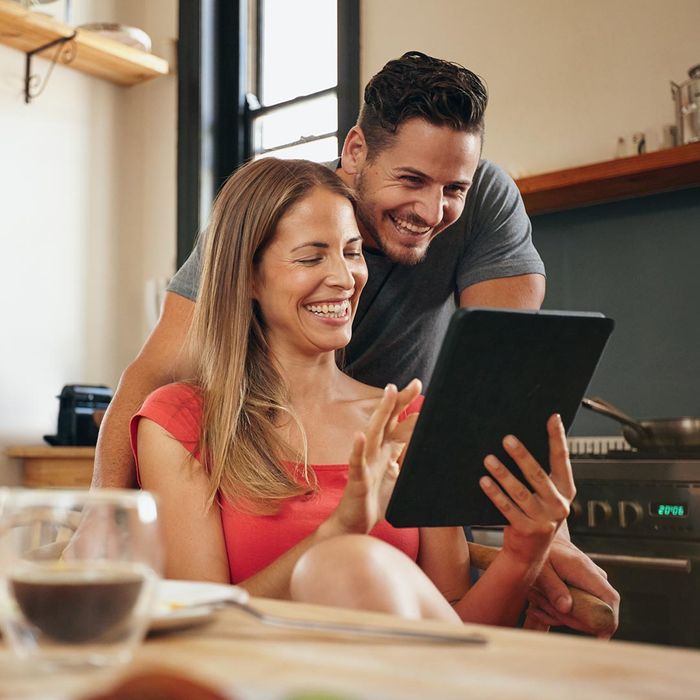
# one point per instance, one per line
(401, 436)
(380, 417)
(562, 475)
(403, 431)
(384, 419)
(518, 492)
(403, 400)
(556, 502)
(506, 507)
(358, 461)
(530, 467)
(408, 394)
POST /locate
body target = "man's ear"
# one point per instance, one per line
(354, 152)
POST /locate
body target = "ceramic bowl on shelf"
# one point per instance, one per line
(131, 36)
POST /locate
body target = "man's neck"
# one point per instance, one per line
(347, 178)
(368, 243)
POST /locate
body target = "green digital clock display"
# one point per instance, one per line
(669, 510)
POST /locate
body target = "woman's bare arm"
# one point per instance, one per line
(192, 533)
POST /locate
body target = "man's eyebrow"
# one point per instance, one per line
(425, 176)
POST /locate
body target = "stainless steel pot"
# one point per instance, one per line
(654, 434)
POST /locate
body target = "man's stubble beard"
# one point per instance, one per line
(366, 217)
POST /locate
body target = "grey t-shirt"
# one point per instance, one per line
(404, 311)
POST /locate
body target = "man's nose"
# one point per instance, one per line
(431, 207)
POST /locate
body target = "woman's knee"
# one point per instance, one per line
(356, 571)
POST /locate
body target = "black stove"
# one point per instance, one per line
(637, 515)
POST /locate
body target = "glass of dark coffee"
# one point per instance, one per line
(78, 573)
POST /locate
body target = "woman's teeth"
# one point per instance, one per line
(330, 310)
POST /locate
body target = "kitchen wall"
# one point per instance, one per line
(566, 79)
(87, 176)
(637, 262)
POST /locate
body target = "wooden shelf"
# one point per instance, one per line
(650, 173)
(94, 54)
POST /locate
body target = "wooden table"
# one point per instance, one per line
(241, 657)
(54, 467)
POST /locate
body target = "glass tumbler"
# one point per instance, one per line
(78, 573)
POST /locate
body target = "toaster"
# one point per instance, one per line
(80, 413)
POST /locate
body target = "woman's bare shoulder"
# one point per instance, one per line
(356, 391)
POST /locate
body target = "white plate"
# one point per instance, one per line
(131, 36)
(184, 603)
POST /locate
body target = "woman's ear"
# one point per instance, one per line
(354, 152)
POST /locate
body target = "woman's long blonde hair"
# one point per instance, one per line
(243, 393)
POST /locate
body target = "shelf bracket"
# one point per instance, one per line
(65, 52)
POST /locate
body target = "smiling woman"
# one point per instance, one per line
(274, 468)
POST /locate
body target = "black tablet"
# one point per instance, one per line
(498, 372)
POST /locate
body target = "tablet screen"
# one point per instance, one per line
(498, 372)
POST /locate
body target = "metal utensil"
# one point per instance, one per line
(659, 434)
(348, 628)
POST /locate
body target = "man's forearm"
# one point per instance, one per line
(114, 461)
(160, 361)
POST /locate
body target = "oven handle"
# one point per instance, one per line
(659, 563)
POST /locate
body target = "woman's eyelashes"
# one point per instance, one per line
(352, 254)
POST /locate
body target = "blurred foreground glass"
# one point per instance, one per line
(78, 573)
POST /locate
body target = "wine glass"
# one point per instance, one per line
(78, 573)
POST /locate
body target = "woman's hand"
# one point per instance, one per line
(534, 517)
(374, 463)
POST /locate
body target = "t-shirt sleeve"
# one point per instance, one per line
(185, 281)
(413, 407)
(499, 242)
(176, 408)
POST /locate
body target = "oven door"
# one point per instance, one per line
(658, 583)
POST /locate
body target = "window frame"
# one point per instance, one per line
(215, 109)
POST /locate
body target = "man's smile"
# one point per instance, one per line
(408, 227)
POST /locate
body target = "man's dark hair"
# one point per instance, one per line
(416, 85)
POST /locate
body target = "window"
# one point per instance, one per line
(255, 78)
(294, 105)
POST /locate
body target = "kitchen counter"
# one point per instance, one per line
(44, 466)
(245, 659)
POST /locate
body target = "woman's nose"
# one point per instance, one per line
(340, 274)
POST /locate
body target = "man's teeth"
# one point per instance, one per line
(412, 228)
(330, 310)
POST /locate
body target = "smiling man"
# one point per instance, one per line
(440, 228)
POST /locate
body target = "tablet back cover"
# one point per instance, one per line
(498, 372)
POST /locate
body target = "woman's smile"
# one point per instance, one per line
(331, 310)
